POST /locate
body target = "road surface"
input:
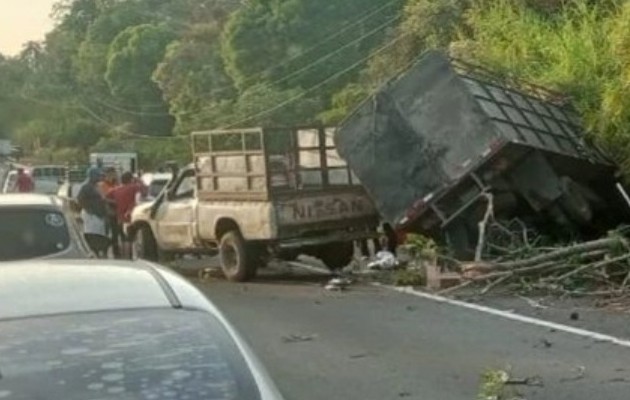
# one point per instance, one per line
(372, 343)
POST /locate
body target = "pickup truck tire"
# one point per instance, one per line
(336, 255)
(145, 246)
(238, 264)
(574, 203)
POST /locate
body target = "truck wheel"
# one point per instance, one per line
(460, 241)
(574, 203)
(237, 263)
(165, 256)
(145, 245)
(289, 255)
(337, 255)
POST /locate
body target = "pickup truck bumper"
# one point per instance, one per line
(296, 243)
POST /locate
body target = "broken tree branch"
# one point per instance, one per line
(589, 266)
(564, 252)
(483, 224)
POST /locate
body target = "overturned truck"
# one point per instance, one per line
(435, 144)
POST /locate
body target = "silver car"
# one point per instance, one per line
(39, 226)
(99, 329)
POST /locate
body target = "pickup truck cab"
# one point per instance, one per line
(255, 193)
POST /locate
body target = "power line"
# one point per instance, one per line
(124, 130)
(130, 112)
(95, 117)
(327, 56)
(331, 54)
(317, 86)
(123, 108)
(364, 17)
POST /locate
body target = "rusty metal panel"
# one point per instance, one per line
(323, 207)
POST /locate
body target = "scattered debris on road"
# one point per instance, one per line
(385, 260)
(338, 284)
(580, 373)
(596, 268)
(497, 384)
(298, 338)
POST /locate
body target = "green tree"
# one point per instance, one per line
(271, 40)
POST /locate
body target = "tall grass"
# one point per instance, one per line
(581, 49)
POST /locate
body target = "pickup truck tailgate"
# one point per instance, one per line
(308, 209)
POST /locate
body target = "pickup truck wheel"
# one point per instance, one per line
(145, 246)
(574, 203)
(237, 263)
(337, 255)
(165, 256)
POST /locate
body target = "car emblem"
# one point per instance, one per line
(55, 220)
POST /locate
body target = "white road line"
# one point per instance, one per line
(600, 337)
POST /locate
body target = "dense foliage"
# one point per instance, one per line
(116, 73)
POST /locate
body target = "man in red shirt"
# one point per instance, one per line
(124, 198)
(24, 182)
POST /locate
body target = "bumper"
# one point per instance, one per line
(296, 243)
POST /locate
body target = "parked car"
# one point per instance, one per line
(46, 180)
(77, 330)
(38, 226)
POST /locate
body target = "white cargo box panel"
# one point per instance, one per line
(6, 148)
(121, 161)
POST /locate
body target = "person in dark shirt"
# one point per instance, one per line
(94, 213)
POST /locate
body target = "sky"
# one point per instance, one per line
(22, 21)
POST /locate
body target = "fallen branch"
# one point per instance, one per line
(494, 284)
(519, 271)
(455, 288)
(564, 252)
(589, 266)
(483, 224)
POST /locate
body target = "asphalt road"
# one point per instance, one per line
(372, 343)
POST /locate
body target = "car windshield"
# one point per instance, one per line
(142, 354)
(31, 233)
(156, 186)
(53, 173)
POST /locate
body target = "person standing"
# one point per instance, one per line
(106, 186)
(124, 197)
(94, 213)
(24, 183)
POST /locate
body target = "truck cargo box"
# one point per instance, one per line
(435, 124)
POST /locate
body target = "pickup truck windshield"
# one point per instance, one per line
(31, 233)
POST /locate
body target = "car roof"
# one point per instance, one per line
(36, 290)
(30, 199)
(39, 288)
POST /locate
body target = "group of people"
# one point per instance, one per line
(106, 205)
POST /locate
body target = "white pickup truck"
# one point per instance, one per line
(255, 193)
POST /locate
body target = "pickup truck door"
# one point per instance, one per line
(175, 217)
